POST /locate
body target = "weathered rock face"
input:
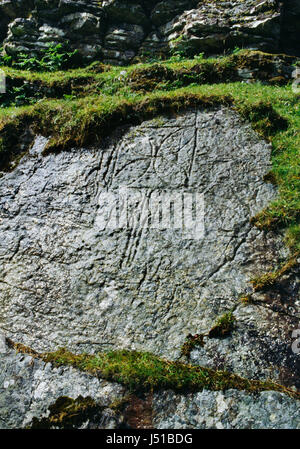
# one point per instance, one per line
(30, 389)
(135, 287)
(119, 31)
(215, 25)
(71, 276)
(229, 410)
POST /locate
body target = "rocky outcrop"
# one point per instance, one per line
(118, 31)
(10, 10)
(214, 26)
(28, 387)
(37, 395)
(78, 273)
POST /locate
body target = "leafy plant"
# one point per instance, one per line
(53, 58)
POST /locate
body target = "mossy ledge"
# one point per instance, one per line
(267, 280)
(142, 371)
(27, 87)
(88, 120)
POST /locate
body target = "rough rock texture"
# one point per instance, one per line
(120, 30)
(67, 278)
(229, 410)
(10, 10)
(70, 276)
(215, 25)
(29, 387)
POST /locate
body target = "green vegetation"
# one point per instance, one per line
(80, 106)
(53, 58)
(141, 371)
(191, 342)
(223, 327)
(68, 413)
(106, 80)
(267, 280)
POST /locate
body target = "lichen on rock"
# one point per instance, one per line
(149, 254)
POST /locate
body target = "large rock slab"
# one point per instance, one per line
(133, 287)
(73, 275)
(70, 278)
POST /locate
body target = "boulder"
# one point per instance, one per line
(122, 42)
(213, 27)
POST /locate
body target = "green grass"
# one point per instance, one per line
(142, 371)
(92, 100)
(25, 87)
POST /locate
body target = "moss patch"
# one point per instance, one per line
(223, 327)
(142, 372)
(191, 342)
(267, 280)
(87, 121)
(68, 413)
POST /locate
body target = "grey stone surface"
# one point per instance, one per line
(193, 27)
(68, 278)
(65, 281)
(229, 410)
(213, 25)
(29, 386)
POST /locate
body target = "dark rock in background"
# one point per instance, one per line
(119, 31)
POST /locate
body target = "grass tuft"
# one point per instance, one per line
(142, 371)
